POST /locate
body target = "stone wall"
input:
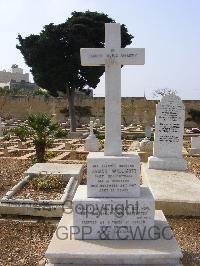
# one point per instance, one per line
(134, 110)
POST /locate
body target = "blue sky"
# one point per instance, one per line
(169, 30)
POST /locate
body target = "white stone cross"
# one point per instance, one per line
(112, 56)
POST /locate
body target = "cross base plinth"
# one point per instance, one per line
(113, 176)
(64, 250)
(113, 218)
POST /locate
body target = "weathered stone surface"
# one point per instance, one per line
(113, 176)
(67, 170)
(114, 218)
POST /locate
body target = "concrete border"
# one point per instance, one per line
(45, 208)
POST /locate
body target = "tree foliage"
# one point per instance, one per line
(54, 55)
(40, 128)
(194, 116)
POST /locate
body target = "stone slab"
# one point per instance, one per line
(31, 210)
(176, 164)
(176, 192)
(195, 143)
(113, 176)
(114, 218)
(64, 250)
(194, 151)
(67, 170)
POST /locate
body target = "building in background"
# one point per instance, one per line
(15, 79)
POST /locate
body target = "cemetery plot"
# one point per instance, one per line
(43, 187)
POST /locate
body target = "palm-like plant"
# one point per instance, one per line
(41, 129)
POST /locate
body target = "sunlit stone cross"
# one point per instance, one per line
(112, 56)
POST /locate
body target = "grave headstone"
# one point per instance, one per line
(146, 145)
(147, 131)
(91, 142)
(68, 146)
(92, 118)
(168, 137)
(195, 146)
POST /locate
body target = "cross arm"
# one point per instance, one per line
(92, 56)
(132, 56)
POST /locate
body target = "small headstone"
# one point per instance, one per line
(67, 146)
(92, 118)
(168, 140)
(20, 145)
(147, 132)
(195, 146)
(97, 121)
(146, 145)
(5, 150)
(91, 142)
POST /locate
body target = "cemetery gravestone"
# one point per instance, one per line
(147, 132)
(91, 142)
(195, 145)
(168, 140)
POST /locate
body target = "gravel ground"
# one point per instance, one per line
(187, 233)
(11, 171)
(24, 243)
(194, 165)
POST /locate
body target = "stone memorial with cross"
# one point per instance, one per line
(113, 206)
(113, 177)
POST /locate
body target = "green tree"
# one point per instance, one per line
(40, 128)
(54, 54)
(21, 132)
(194, 116)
